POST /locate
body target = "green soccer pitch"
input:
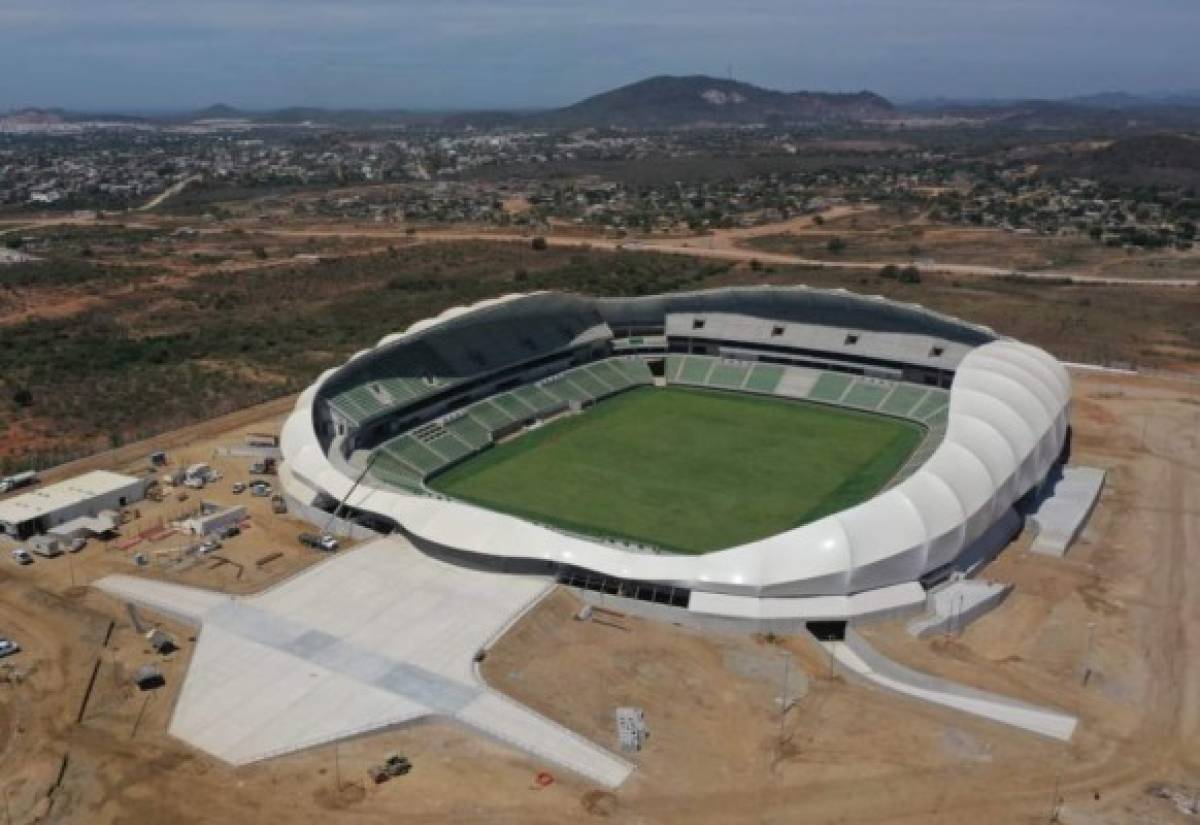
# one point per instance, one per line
(688, 471)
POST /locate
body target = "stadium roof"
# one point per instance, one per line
(1007, 423)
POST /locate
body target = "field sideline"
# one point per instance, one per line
(689, 471)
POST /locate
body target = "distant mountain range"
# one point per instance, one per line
(674, 102)
(657, 102)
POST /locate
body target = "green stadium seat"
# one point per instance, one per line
(588, 383)
(695, 370)
(764, 378)
(414, 453)
(513, 406)
(724, 374)
(867, 395)
(469, 430)
(490, 416)
(635, 369)
(449, 448)
(674, 365)
(937, 414)
(831, 386)
(609, 374)
(537, 399)
(393, 472)
(903, 399)
(567, 390)
(933, 400)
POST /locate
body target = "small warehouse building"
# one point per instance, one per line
(80, 498)
(213, 518)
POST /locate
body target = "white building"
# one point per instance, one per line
(82, 497)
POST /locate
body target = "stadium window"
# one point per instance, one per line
(936, 352)
(851, 339)
(776, 332)
(697, 323)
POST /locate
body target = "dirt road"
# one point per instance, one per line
(724, 246)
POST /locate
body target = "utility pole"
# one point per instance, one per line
(1054, 800)
(783, 697)
(1087, 656)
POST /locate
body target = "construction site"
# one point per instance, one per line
(101, 722)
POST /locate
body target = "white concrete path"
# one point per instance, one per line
(859, 658)
(375, 637)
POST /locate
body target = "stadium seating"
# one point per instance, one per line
(831, 386)
(413, 371)
(469, 431)
(406, 460)
(917, 403)
(928, 406)
(764, 378)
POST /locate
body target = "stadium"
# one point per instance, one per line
(766, 455)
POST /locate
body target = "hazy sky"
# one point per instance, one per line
(98, 54)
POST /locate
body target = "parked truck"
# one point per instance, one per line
(17, 481)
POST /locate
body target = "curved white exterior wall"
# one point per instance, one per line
(1008, 417)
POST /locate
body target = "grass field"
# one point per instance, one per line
(688, 470)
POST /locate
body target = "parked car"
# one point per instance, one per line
(231, 531)
(210, 545)
(260, 489)
(21, 556)
(324, 542)
(8, 647)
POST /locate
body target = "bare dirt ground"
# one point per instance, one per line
(719, 751)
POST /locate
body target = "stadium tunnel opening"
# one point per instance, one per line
(827, 631)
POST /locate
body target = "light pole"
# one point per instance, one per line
(783, 697)
(1087, 657)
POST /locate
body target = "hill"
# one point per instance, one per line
(1166, 160)
(666, 101)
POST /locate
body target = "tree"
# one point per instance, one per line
(836, 245)
(910, 275)
(539, 243)
(22, 397)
